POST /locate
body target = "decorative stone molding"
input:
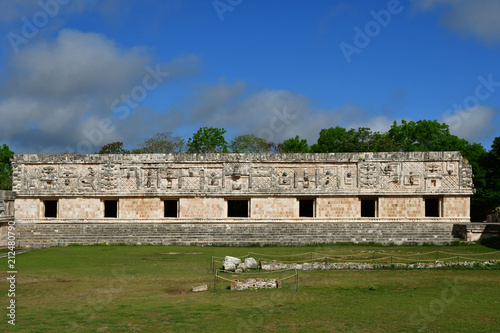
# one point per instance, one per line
(393, 173)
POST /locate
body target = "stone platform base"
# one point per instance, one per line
(472, 232)
(61, 234)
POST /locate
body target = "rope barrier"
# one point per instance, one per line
(474, 254)
(283, 279)
(324, 257)
(261, 272)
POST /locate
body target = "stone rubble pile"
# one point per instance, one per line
(233, 264)
(257, 283)
(274, 266)
(230, 263)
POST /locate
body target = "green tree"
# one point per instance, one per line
(162, 143)
(5, 168)
(340, 140)
(492, 186)
(295, 145)
(208, 140)
(250, 143)
(424, 135)
(113, 148)
(427, 135)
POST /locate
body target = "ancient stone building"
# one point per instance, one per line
(240, 198)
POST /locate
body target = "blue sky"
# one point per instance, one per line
(77, 74)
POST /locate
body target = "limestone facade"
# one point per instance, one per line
(242, 188)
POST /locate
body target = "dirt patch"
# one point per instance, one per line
(177, 291)
(174, 253)
(153, 258)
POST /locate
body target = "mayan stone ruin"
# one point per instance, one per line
(240, 199)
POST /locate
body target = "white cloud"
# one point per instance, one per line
(74, 64)
(474, 124)
(478, 17)
(378, 123)
(58, 94)
(275, 115)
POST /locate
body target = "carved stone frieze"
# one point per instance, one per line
(268, 174)
(368, 175)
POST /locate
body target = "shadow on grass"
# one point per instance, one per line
(491, 242)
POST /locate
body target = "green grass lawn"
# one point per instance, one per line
(147, 289)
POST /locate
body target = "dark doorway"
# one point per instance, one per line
(50, 208)
(432, 207)
(368, 207)
(237, 208)
(111, 208)
(306, 208)
(170, 208)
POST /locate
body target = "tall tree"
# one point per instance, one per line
(5, 167)
(295, 145)
(492, 186)
(113, 148)
(250, 143)
(427, 135)
(208, 140)
(162, 143)
(340, 140)
(424, 135)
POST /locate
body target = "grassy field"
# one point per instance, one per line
(147, 289)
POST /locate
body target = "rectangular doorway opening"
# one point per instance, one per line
(50, 208)
(170, 208)
(111, 208)
(237, 208)
(306, 208)
(432, 207)
(368, 207)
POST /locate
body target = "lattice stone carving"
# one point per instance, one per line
(261, 183)
(191, 183)
(449, 182)
(130, 179)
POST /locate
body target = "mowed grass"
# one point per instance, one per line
(147, 289)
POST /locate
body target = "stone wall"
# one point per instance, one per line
(286, 198)
(7, 203)
(6, 214)
(472, 232)
(239, 234)
(436, 173)
(338, 207)
(269, 207)
(273, 184)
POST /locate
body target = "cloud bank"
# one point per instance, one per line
(59, 95)
(478, 17)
